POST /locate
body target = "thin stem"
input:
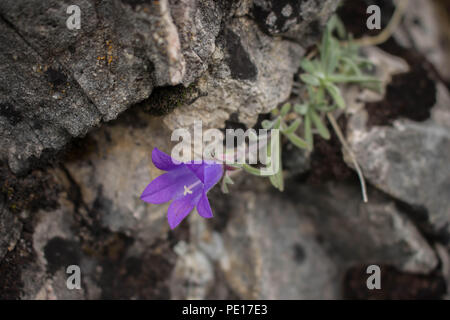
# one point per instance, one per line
(351, 154)
(388, 31)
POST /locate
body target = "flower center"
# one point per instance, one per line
(188, 189)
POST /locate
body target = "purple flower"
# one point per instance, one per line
(185, 183)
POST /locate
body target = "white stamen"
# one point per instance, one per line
(188, 189)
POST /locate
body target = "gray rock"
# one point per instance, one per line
(359, 233)
(58, 83)
(193, 276)
(424, 29)
(409, 161)
(271, 251)
(40, 105)
(273, 246)
(112, 177)
(292, 19)
(250, 73)
(10, 229)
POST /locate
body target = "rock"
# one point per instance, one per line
(444, 257)
(242, 79)
(99, 222)
(198, 24)
(271, 251)
(409, 161)
(292, 19)
(36, 116)
(10, 229)
(112, 265)
(115, 169)
(57, 83)
(56, 247)
(357, 233)
(273, 246)
(192, 276)
(425, 26)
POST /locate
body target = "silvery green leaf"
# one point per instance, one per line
(337, 24)
(319, 96)
(301, 108)
(224, 187)
(292, 127)
(308, 66)
(266, 124)
(277, 179)
(285, 109)
(277, 123)
(335, 93)
(310, 79)
(297, 141)
(308, 132)
(321, 128)
(228, 179)
(353, 66)
(333, 58)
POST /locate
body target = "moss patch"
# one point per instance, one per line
(165, 99)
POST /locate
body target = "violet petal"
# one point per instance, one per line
(203, 207)
(178, 210)
(213, 173)
(198, 170)
(163, 161)
(168, 186)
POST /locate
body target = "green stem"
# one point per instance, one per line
(351, 154)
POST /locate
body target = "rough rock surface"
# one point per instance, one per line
(59, 83)
(425, 28)
(387, 237)
(10, 228)
(265, 232)
(409, 161)
(214, 61)
(291, 19)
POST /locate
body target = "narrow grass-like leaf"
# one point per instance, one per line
(352, 65)
(224, 187)
(285, 109)
(335, 93)
(292, 127)
(308, 66)
(301, 109)
(321, 128)
(334, 55)
(310, 79)
(277, 179)
(228, 179)
(308, 132)
(297, 141)
(277, 123)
